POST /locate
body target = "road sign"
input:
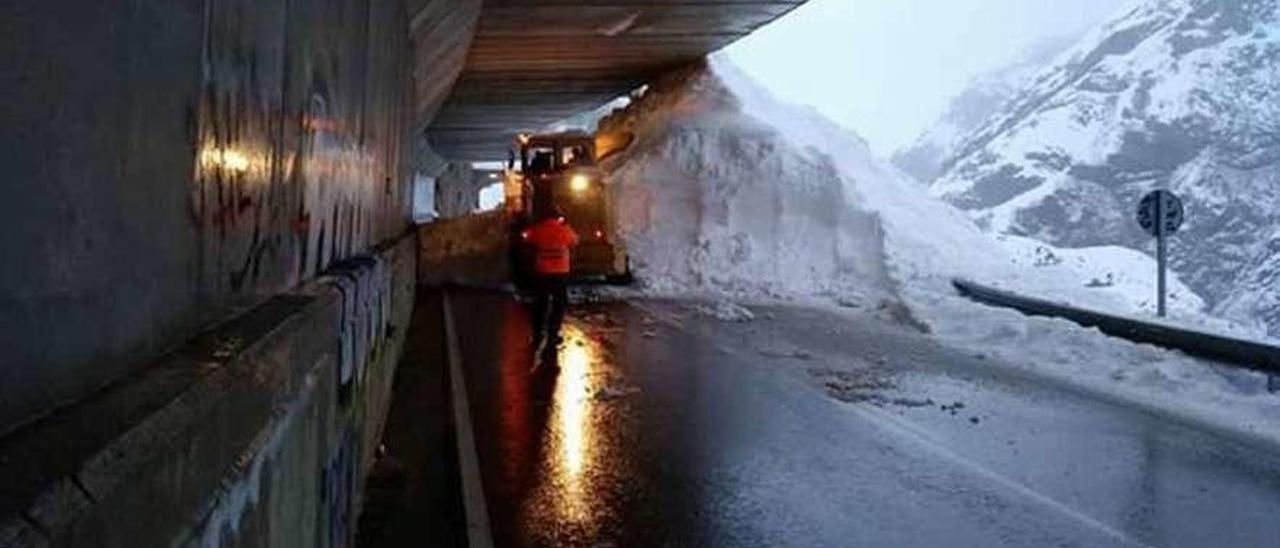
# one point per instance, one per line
(1160, 213)
(1160, 205)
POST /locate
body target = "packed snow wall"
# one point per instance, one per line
(712, 201)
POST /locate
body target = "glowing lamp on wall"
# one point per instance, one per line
(235, 161)
(226, 159)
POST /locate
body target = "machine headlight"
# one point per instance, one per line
(579, 183)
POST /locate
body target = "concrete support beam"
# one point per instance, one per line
(532, 63)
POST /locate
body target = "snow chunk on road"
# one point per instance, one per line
(726, 311)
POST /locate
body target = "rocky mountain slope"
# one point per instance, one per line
(1178, 94)
(985, 95)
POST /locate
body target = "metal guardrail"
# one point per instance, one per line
(1247, 354)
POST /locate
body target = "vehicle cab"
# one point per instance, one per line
(561, 169)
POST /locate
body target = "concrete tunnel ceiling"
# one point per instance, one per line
(487, 72)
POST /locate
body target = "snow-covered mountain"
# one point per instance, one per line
(980, 100)
(1179, 94)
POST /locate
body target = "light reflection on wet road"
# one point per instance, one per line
(667, 428)
(570, 439)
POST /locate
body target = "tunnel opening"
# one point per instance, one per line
(490, 197)
(424, 199)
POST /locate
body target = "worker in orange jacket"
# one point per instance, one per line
(552, 240)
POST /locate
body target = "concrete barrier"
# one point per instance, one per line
(258, 432)
(466, 251)
(1248, 354)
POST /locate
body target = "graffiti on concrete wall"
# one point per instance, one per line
(298, 140)
(366, 286)
(333, 423)
(337, 492)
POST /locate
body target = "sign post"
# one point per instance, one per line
(1160, 213)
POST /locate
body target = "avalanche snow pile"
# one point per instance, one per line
(712, 201)
(726, 192)
(1178, 94)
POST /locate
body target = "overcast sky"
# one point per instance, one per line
(887, 68)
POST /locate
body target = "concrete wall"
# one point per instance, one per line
(256, 433)
(170, 162)
(206, 278)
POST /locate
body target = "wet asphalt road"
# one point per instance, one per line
(668, 427)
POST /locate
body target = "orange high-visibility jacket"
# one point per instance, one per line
(551, 240)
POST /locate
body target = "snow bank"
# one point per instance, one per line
(726, 192)
(713, 202)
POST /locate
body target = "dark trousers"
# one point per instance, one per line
(550, 297)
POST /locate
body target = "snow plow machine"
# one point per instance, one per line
(562, 168)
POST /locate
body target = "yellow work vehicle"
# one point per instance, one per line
(561, 168)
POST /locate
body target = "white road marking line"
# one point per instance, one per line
(910, 431)
(477, 511)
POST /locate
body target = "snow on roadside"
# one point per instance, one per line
(1230, 399)
(726, 311)
(729, 194)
